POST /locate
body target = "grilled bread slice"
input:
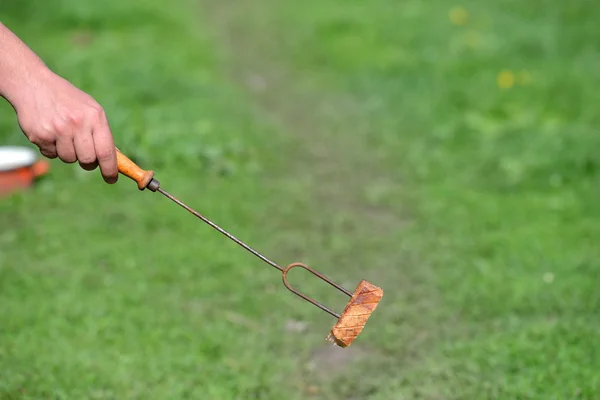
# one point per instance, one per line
(363, 302)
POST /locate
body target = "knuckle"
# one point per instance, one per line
(103, 154)
(75, 118)
(42, 137)
(60, 126)
(86, 141)
(35, 138)
(47, 127)
(96, 112)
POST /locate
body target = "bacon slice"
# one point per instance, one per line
(363, 302)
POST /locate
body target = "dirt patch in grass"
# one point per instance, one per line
(346, 195)
(327, 130)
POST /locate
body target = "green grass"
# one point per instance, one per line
(369, 139)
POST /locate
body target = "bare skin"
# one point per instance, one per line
(60, 119)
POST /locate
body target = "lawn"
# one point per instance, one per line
(445, 152)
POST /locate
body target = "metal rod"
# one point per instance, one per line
(284, 271)
(230, 236)
(305, 297)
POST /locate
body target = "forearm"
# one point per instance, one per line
(18, 65)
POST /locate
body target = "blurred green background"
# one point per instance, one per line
(447, 152)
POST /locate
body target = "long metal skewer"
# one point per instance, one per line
(284, 271)
(363, 300)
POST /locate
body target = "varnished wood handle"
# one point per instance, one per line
(133, 171)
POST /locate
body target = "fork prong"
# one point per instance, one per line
(318, 275)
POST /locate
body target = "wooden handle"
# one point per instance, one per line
(133, 171)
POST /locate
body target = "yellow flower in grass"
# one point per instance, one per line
(505, 79)
(458, 16)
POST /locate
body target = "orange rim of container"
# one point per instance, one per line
(21, 178)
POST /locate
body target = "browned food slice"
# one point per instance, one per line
(358, 310)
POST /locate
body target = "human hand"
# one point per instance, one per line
(67, 123)
(60, 119)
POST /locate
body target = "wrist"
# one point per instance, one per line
(18, 81)
(20, 67)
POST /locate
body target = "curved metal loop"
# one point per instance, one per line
(318, 275)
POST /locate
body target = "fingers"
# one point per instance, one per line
(65, 148)
(86, 152)
(76, 135)
(105, 151)
(45, 142)
(48, 150)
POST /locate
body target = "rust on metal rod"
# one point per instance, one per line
(284, 271)
(305, 297)
(230, 236)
